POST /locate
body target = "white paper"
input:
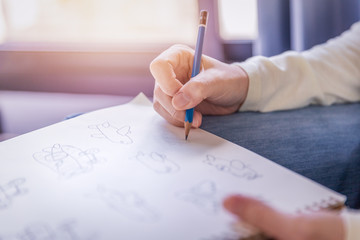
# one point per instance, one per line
(124, 173)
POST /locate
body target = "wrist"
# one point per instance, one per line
(242, 79)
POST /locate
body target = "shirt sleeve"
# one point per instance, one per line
(326, 74)
(351, 220)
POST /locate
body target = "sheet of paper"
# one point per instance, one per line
(124, 173)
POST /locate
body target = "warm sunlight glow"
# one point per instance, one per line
(113, 21)
(238, 19)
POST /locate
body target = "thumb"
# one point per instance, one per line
(259, 215)
(194, 91)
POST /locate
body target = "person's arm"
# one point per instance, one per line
(326, 74)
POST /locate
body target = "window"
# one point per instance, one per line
(237, 19)
(237, 28)
(106, 46)
(99, 21)
(89, 46)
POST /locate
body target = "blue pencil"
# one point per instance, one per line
(196, 66)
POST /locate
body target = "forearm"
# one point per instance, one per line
(326, 74)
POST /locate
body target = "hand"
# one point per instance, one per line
(218, 89)
(317, 226)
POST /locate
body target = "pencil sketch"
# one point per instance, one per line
(127, 203)
(234, 167)
(66, 160)
(42, 231)
(203, 196)
(169, 137)
(157, 162)
(112, 133)
(11, 190)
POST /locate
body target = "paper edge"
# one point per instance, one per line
(141, 99)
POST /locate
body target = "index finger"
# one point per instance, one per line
(171, 68)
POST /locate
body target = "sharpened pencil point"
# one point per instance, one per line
(187, 129)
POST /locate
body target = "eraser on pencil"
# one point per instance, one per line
(203, 17)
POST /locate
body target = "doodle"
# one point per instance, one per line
(41, 231)
(67, 160)
(234, 167)
(203, 196)
(11, 190)
(127, 203)
(168, 136)
(112, 133)
(157, 162)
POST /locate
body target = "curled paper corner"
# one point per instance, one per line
(141, 99)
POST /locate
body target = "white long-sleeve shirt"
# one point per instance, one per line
(326, 74)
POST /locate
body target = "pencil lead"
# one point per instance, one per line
(186, 136)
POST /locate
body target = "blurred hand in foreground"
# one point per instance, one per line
(281, 226)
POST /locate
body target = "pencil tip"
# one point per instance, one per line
(186, 136)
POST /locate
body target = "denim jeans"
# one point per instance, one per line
(321, 143)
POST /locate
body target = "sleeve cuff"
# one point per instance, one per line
(351, 219)
(253, 97)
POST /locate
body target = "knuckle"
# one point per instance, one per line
(169, 90)
(179, 116)
(173, 113)
(157, 106)
(198, 90)
(157, 91)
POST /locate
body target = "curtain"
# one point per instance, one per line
(300, 24)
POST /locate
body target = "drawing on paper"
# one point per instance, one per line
(169, 137)
(112, 133)
(127, 203)
(41, 231)
(157, 162)
(11, 190)
(234, 167)
(203, 196)
(66, 160)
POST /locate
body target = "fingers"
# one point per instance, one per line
(162, 105)
(284, 226)
(221, 85)
(319, 226)
(192, 93)
(172, 68)
(170, 118)
(258, 215)
(199, 88)
(165, 101)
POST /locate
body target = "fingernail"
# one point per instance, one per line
(180, 100)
